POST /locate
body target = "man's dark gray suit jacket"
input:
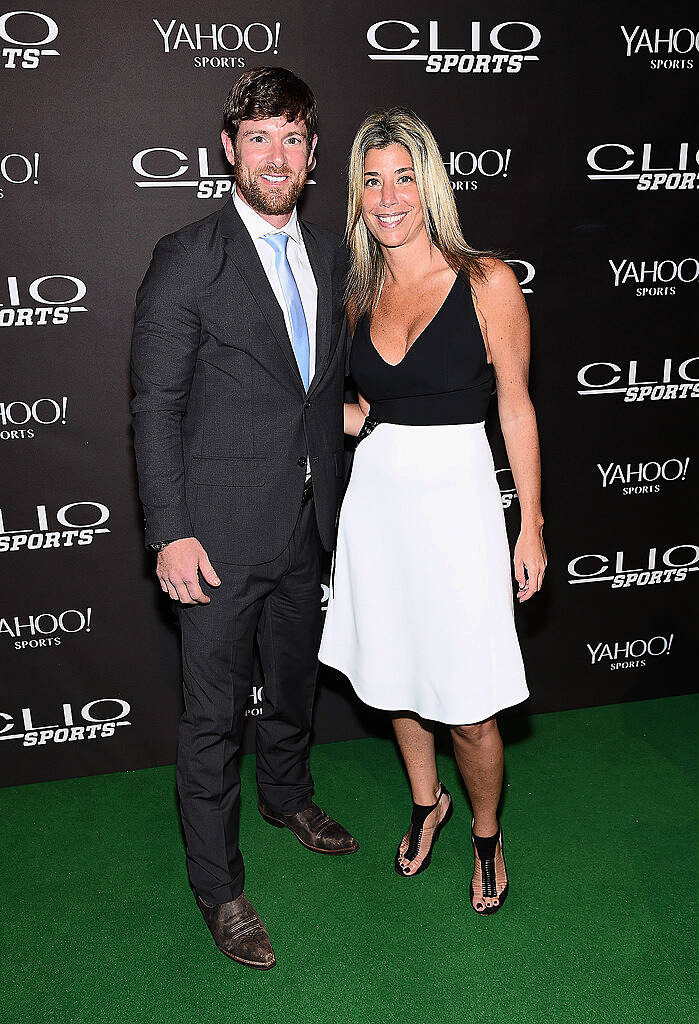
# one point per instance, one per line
(222, 423)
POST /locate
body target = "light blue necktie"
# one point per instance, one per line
(299, 327)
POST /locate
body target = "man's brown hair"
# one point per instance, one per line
(269, 92)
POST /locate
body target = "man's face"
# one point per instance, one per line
(272, 158)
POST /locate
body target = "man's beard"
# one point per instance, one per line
(275, 203)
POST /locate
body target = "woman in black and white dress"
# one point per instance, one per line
(420, 616)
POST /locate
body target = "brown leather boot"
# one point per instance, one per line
(314, 829)
(238, 932)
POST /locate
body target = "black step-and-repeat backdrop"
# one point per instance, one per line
(571, 141)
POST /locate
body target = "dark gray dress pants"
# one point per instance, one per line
(277, 603)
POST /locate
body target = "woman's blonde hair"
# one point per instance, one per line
(367, 268)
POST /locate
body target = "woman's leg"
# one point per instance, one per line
(417, 747)
(479, 754)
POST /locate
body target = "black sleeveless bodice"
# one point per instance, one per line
(443, 378)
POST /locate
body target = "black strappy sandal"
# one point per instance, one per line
(484, 848)
(418, 818)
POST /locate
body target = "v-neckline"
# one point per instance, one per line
(410, 347)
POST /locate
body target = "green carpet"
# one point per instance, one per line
(600, 832)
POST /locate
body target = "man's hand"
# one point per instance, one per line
(178, 568)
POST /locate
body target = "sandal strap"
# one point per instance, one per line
(418, 818)
(485, 849)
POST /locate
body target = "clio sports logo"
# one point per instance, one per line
(47, 301)
(655, 382)
(163, 167)
(650, 165)
(97, 719)
(506, 484)
(471, 48)
(74, 524)
(26, 37)
(621, 570)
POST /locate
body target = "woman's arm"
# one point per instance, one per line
(505, 322)
(355, 414)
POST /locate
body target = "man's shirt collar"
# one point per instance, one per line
(257, 226)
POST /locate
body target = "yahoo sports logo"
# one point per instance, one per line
(18, 169)
(20, 420)
(670, 168)
(650, 383)
(622, 571)
(629, 653)
(474, 48)
(655, 277)
(45, 629)
(255, 708)
(643, 477)
(227, 39)
(669, 49)
(467, 169)
(18, 51)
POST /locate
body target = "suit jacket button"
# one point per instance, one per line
(307, 405)
(301, 460)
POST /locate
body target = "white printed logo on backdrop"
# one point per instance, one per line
(48, 301)
(21, 420)
(650, 165)
(20, 52)
(622, 570)
(622, 654)
(16, 169)
(660, 381)
(97, 719)
(162, 167)
(469, 170)
(469, 48)
(74, 524)
(220, 46)
(167, 167)
(643, 477)
(506, 483)
(654, 277)
(665, 49)
(45, 629)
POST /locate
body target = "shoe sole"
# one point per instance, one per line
(315, 849)
(428, 859)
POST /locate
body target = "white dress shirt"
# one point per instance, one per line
(300, 265)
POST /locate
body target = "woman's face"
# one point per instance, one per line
(390, 201)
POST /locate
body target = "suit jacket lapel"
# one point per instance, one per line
(241, 249)
(321, 272)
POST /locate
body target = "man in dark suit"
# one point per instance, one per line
(238, 364)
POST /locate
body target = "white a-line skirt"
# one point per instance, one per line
(420, 615)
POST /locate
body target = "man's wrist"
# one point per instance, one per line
(158, 545)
